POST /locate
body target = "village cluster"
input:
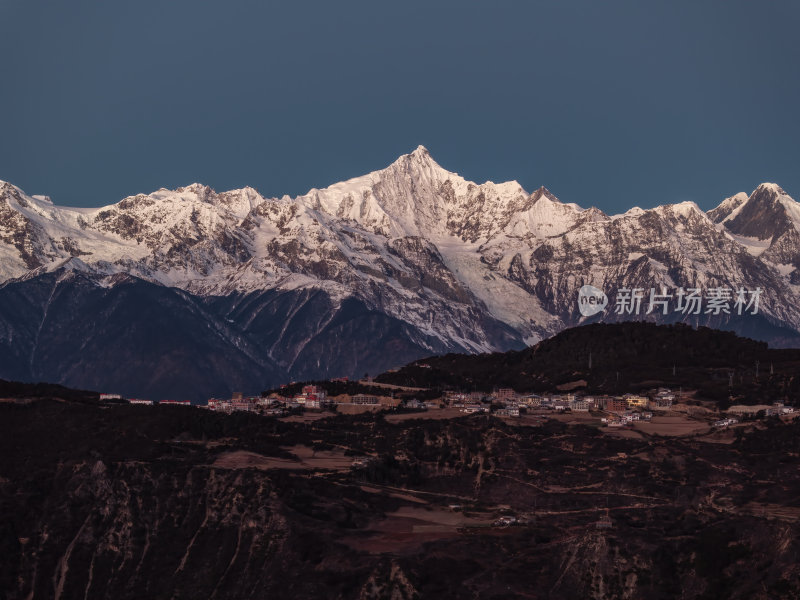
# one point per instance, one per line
(312, 397)
(620, 410)
(504, 402)
(615, 411)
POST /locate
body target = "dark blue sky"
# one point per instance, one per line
(609, 103)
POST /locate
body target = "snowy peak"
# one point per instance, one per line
(419, 162)
(768, 194)
(545, 216)
(768, 213)
(769, 188)
(238, 202)
(191, 230)
(685, 211)
(10, 194)
(726, 207)
(421, 154)
(767, 224)
(198, 189)
(421, 172)
(415, 196)
(543, 192)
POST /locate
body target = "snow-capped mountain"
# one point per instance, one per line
(360, 276)
(768, 225)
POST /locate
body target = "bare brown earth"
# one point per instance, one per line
(376, 490)
(433, 413)
(308, 417)
(571, 418)
(409, 527)
(687, 420)
(390, 386)
(305, 458)
(672, 425)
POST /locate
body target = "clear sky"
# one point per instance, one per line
(607, 103)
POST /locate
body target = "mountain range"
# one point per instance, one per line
(191, 293)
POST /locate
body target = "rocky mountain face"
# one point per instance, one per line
(175, 290)
(767, 224)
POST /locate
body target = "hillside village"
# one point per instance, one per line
(606, 411)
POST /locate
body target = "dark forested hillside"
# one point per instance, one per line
(622, 357)
(18, 390)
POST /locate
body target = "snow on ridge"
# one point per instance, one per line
(193, 238)
(753, 245)
(772, 187)
(684, 209)
(792, 209)
(634, 211)
(727, 206)
(738, 198)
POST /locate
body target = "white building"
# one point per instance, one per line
(580, 405)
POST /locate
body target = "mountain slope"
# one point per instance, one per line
(403, 262)
(128, 336)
